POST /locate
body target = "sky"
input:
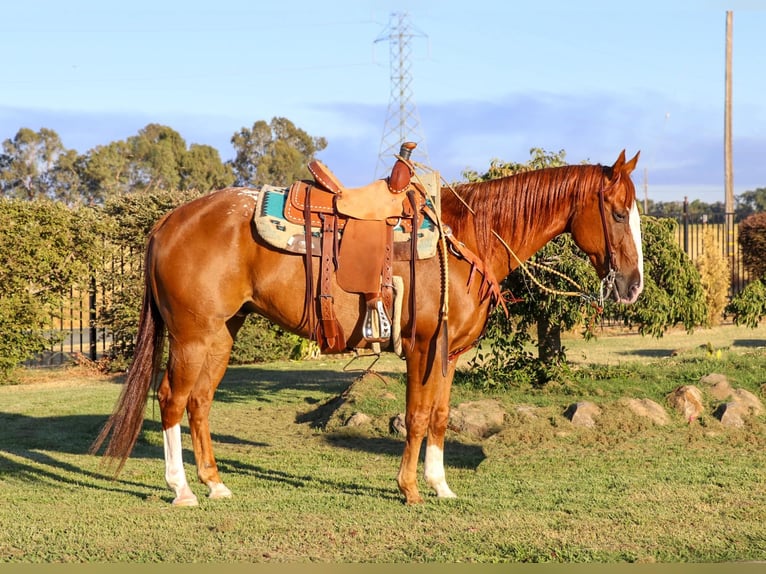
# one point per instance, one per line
(491, 79)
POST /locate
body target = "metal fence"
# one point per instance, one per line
(690, 239)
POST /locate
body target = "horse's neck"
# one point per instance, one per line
(514, 240)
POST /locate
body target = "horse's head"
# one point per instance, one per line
(608, 229)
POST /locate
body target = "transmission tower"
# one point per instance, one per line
(402, 119)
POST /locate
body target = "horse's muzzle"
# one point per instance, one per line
(627, 293)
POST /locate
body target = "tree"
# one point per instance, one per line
(202, 169)
(28, 161)
(673, 295)
(155, 158)
(45, 248)
(752, 240)
(276, 153)
(751, 202)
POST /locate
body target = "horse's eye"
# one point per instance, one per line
(620, 217)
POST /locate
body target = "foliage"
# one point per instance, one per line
(36, 165)
(715, 277)
(748, 307)
(752, 239)
(259, 341)
(673, 293)
(45, 249)
(276, 153)
(750, 202)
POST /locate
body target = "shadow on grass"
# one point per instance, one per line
(648, 353)
(751, 343)
(294, 480)
(28, 446)
(262, 384)
(456, 454)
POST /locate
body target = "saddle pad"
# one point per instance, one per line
(284, 235)
(274, 229)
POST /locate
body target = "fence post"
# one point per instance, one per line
(686, 225)
(92, 318)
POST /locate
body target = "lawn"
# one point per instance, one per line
(540, 490)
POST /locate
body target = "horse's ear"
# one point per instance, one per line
(631, 165)
(619, 163)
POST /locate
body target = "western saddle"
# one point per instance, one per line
(361, 257)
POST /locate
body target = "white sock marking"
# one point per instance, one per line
(434, 472)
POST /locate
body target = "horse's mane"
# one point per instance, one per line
(519, 205)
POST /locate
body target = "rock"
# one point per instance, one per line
(582, 414)
(748, 400)
(649, 409)
(398, 426)
(687, 400)
(479, 419)
(717, 384)
(730, 414)
(358, 420)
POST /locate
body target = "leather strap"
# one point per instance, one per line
(413, 257)
(609, 248)
(332, 337)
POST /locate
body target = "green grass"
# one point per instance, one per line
(306, 490)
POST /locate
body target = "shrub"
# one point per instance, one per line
(749, 306)
(45, 249)
(752, 239)
(715, 277)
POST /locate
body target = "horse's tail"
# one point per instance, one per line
(125, 423)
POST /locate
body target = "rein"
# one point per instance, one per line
(607, 283)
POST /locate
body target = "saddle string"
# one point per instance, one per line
(436, 217)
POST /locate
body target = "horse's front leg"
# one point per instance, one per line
(437, 428)
(427, 412)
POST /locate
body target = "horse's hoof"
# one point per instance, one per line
(218, 490)
(185, 501)
(414, 499)
(185, 498)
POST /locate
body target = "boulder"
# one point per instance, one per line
(717, 385)
(358, 420)
(479, 419)
(687, 400)
(731, 414)
(649, 409)
(583, 414)
(398, 426)
(748, 400)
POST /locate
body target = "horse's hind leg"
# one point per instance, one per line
(193, 373)
(198, 410)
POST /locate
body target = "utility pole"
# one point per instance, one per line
(402, 119)
(727, 147)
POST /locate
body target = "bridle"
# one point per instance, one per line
(607, 283)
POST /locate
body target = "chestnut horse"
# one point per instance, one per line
(206, 268)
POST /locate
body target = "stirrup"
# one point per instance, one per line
(377, 325)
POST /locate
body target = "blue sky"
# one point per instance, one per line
(492, 79)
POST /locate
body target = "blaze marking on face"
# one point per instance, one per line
(635, 229)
